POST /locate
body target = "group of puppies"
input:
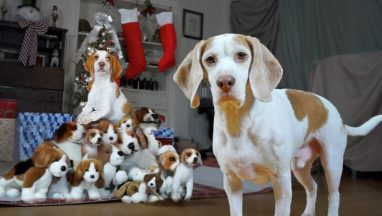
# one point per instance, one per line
(104, 160)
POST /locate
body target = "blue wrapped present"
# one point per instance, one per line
(35, 128)
(165, 135)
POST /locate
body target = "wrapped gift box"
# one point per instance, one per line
(165, 136)
(35, 128)
(7, 141)
(8, 108)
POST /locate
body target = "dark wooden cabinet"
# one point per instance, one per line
(38, 88)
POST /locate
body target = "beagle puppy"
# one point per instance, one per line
(183, 177)
(69, 137)
(93, 139)
(126, 124)
(34, 176)
(262, 133)
(110, 132)
(88, 176)
(112, 157)
(147, 121)
(105, 98)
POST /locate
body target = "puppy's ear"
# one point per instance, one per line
(100, 183)
(265, 72)
(190, 73)
(60, 132)
(79, 173)
(89, 64)
(116, 67)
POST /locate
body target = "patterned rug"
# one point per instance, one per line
(200, 192)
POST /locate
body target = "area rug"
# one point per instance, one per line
(208, 183)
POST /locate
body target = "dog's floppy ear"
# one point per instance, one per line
(79, 173)
(265, 72)
(100, 183)
(190, 73)
(60, 132)
(116, 67)
(89, 64)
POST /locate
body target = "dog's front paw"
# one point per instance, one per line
(175, 197)
(187, 198)
(120, 177)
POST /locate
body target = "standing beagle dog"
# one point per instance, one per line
(261, 133)
(105, 99)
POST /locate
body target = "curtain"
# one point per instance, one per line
(301, 32)
(259, 18)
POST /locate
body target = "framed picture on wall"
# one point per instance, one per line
(192, 24)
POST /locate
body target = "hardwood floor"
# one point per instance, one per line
(359, 196)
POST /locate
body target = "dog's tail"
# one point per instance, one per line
(365, 128)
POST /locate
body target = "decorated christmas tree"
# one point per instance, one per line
(102, 37)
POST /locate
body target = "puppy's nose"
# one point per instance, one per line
(131, 146)
(99, 140)
(101, 64)
(92, 176)
(225, 83)
(63, 168)
(155, 116)
(120, 153)
(111, 138)
(195, 160)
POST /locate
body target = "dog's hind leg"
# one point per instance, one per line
(332, 160)
(233, 187)
(303, 176)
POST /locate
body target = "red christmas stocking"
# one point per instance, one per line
(168, 40)
(133, 42)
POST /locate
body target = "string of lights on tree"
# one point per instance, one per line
(82, 79)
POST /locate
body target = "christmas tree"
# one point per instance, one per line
(82, 80)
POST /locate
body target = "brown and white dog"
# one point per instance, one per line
(183, 177)
(105, 98)
(93, 139)
(34, 176)
(261, 133)
(88, 176)
(69, 138)
(110, 132)
(148, 121)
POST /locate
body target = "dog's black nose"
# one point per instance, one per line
(195, 160)
(111, 138)
(101, 64)
(92, 176)
(63, 168)
(155, 116)
(120, 153)
(225, 83)
(99, 139)
(131, 146)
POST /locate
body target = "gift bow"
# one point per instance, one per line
(28, 52)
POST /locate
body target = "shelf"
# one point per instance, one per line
(84, 34)
(142, 91)
(36, 77)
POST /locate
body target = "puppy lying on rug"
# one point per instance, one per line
(261, 133)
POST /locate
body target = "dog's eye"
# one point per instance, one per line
(171, 159)
(189, 154)
(108, 151)
(210, 60)
(92, 134)
(241, 56)
(124, 121)
(74, 127)
(108, 58)
(96, 57)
